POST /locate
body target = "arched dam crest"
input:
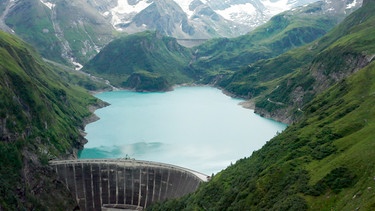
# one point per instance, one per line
(125, 182)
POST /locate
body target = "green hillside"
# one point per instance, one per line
(283, 32)
(146, 61)
(326, 89)
(324, 161)
(345, 50)
(64, 32)
(41, 118)
(158, 62)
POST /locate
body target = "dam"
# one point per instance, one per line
(124, 183)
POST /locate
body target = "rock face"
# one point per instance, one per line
(192, 18)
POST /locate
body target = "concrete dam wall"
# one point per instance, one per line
(102, 183)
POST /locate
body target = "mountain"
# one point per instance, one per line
(41, 118)
(72, 32)
(324, 161)
(146, 61)
(194, 19)
(283, 32)
(296, 77)
(63, 31)
(217, 60)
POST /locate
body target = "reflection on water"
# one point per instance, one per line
(125, 151)
(193, 127)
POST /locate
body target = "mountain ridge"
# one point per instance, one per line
(215, 61)
(73, 32)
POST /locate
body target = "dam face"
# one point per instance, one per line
(128, 184)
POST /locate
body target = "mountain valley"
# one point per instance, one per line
(310, 66)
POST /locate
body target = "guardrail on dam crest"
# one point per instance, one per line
(96, 183)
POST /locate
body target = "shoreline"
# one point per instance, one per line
(246, 103)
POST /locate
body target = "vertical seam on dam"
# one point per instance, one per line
(92, 187)
(84, 185)
(140, 187)
(154, 185)
(161, 185)
(166, 191)
(146, 186)
(75, 182)
(109, 185)
(100, 184)
(132, 186)
(124, 174)
(65, 174)
(116, 185)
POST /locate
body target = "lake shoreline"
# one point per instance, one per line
(143, 126)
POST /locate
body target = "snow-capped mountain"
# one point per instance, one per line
(197, 19)
(76, 30)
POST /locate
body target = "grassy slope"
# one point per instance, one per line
(29, 19)
(323, 162)
(282, 33)
(295, 77)
(40, 117)
(140, 53)
(83, 29)
(343, 51)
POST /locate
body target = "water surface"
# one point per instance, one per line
(194, 127)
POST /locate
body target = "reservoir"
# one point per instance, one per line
(198, 128)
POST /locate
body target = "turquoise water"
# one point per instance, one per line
(194, 127)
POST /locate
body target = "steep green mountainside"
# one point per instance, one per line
(283, 32)
(286, 83)
(61, 32)
(143, 61)
(324, 161)
(41, 118)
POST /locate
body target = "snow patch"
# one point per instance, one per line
(184, 4)
(48, 4)
(123, 8)
(349, 6)
(277, 7)
(236, 12)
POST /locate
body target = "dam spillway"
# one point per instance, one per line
(128, 182)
